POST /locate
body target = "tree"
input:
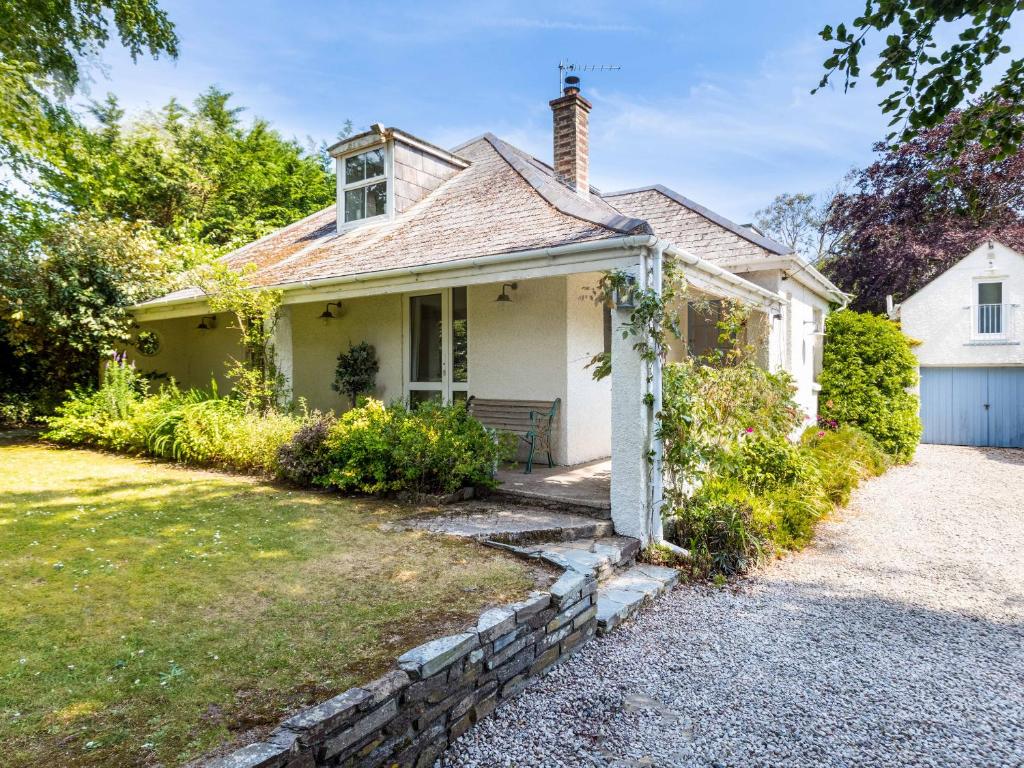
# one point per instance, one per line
(43, 48)
(356, 373)
(799, 221)
(195, 174)
(931, 84)
(64, 299)
(899, 229)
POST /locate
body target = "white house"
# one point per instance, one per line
(424, 241)
(968, 322)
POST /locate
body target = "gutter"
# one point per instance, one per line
(720, 273)
(629, 242)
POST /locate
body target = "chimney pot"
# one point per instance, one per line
(570, 115)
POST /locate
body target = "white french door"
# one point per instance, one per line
(437, 346)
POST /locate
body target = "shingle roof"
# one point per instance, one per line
(693, 227)
(501, 203)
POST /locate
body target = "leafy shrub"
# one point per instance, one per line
(103, 417)
(717, 526)
(767, 496)
(18, 409)
(706, 409)
(377, 449)
(305, 457)
(868, 368)
(443, 448)
(197, 426)
(763, 463)
(844, 457)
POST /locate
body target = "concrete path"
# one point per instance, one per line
(896, 640)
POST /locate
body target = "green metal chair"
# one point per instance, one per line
(539, 434)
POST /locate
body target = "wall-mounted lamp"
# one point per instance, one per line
(625, 294)
(327, 314)
(207, 323)
(503, 296)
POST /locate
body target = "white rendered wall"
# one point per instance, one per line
(588, 403)
(793, 340)
(938, 315)
(316, 345)
(188, 355)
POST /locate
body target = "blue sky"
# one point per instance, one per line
(712, 99)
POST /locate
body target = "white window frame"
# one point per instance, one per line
(976, 332)
(387, 178)
(447, 385)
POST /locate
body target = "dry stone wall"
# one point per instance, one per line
(407, 717)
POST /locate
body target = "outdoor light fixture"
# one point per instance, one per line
(207, 323)
(625, 295)
(503, 296)
(327, 314)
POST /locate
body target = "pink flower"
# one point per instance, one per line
(749, 430)
(821, 433)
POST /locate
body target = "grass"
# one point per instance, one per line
(149, 613)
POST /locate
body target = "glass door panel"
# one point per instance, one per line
(438, 347)
(426, 348)
(460, 344)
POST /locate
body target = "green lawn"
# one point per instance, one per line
(149, 613)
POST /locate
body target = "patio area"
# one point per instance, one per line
(585, 488)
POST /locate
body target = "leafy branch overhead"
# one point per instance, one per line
(931, 81)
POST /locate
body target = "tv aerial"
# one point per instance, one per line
(567, 67)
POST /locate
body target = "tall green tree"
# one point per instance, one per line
(43, 48)
(196, 174)
(931, 78)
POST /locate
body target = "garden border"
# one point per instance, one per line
(438, 691)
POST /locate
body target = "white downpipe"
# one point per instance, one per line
(656, 485)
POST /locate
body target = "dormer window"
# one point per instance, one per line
(364, 186)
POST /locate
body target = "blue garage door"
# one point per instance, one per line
(973, 406)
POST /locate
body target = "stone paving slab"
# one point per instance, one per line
(508, 524)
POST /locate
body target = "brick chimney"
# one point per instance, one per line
(570, 113)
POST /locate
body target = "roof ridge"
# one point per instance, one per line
(560, 197)
(737, 229)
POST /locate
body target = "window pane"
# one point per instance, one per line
(417, 396)
(425, 330)
(374, 163)
(990, 293)
(460, 336)
(377, 199)
(355, 207)
(459, 396)
(355, 168)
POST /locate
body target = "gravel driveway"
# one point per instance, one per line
(896, 639)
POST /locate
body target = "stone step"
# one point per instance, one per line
(600, 509)
(620, 595)
(512, 525)
(601, 556)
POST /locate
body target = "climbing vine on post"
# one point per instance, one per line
(651, 322)
(255, 310)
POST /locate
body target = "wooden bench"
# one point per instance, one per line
(532, 420)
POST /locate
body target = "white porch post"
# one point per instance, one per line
(283, 354)
(635, 395)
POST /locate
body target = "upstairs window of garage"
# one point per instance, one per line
(990, 308)
(364, 185)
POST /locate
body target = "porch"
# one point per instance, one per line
(522, 327)
(584, 488)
